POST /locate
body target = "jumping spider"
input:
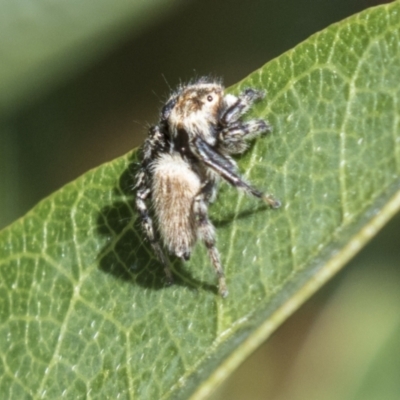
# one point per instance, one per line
(182, 160)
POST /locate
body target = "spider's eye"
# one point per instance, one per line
(210, 98)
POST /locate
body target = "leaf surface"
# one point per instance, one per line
(84, 309)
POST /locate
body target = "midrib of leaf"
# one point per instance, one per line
(79, 256)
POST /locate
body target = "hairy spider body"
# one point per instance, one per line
(183, 159)
(174, 187)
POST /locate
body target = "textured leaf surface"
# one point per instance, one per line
(84, 311)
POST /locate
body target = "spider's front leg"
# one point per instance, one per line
(226, 168)
(234, 132)
(238, 106)
(233, 137)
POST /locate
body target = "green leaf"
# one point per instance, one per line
(84, 309)
(44, 41)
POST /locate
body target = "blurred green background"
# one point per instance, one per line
(92, 100)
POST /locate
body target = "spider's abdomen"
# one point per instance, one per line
(174, 188)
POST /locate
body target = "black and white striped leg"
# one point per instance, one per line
(206, 232)
(226, 169)
(245, 130)
(147, 225)
(233, 137)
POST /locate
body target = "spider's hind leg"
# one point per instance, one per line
(143, 192)
(206, 232)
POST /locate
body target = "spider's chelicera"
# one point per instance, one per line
(183, 159)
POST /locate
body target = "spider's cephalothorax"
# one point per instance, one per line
(182, 160)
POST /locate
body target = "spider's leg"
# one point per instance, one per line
(147, 225)
(226, 168)
(233, 137)
(154, 143)
(243, 103)
(206, 232)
